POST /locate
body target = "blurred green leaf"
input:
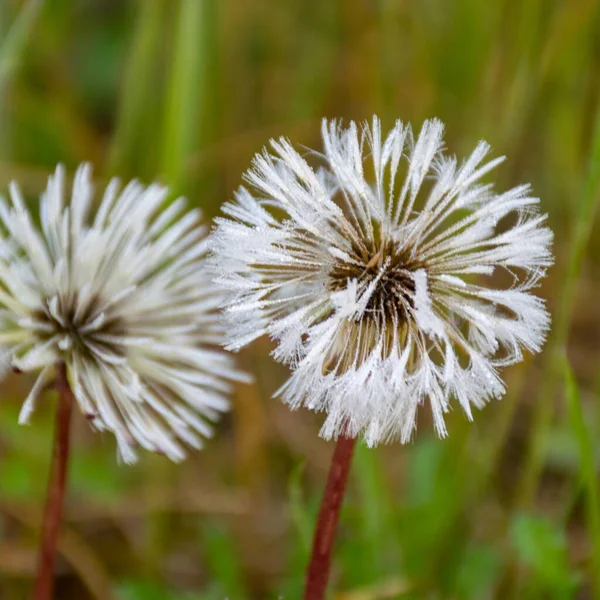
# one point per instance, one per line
(97, 475)
(19, 480)
(588, 469)
(220, 554)
(424, 467)
(14, 43)
(562, 449)
(142, 590)
(303, 511)
(34, 439)
(377, 527)
(134, 589)
(478, 569)
(300, 512)
(542, 546)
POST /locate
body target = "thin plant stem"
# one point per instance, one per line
(56, 487)
(319, 566)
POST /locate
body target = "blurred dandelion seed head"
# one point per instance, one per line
(122, 295)
(363, 270)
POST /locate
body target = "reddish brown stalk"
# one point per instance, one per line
(56, 487)
(319, 567)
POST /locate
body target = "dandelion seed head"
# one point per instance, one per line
(122, 295)
(388, 274)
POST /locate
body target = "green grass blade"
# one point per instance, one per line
(588, 205)
(300, 513)
(15, 41)
(139, 95)
(220, 552)
(588, 470)
(376, 524)
(543, 407)
(189, 89)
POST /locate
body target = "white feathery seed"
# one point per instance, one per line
(390, 276)
(124, 297)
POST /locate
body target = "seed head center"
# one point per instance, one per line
(62, 317)
(392, 298)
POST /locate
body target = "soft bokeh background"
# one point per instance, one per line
(185, 91)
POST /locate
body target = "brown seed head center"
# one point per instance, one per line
(392, 298)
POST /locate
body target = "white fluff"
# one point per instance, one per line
(123, 296)
(362, 272)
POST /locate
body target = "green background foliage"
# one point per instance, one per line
(185, 92)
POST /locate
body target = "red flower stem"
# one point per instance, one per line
(319, 567)
(56, 487)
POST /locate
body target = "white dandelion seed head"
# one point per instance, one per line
(123, 296)
(368, 274)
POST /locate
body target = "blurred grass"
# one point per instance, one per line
(186, 91)
(138, 107)
(189, 86)
(588, 473)
(569, 275)
(16, 38)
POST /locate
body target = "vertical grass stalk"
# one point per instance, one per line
(188, 92)
(129, 148)
(16, 38)
(543, 405)
(588, 471)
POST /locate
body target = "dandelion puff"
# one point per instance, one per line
(122, 296)
(389, 277)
